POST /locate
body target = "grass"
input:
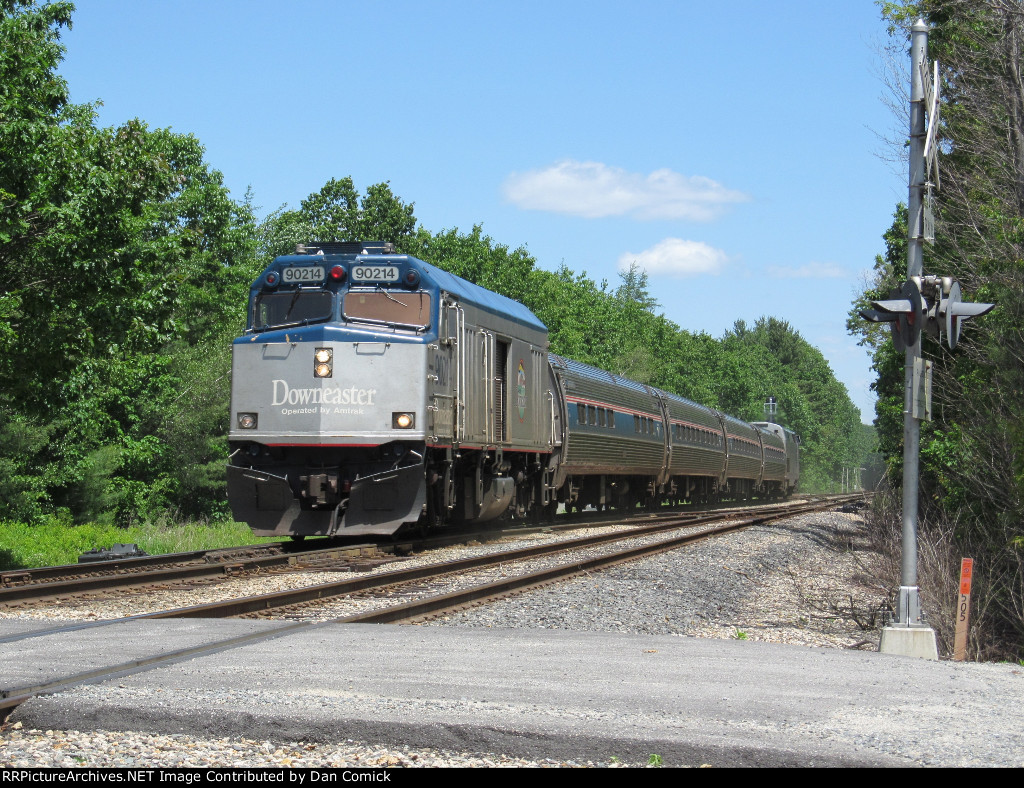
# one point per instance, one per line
(52, 544)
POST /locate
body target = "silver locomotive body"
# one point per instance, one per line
(372, 391)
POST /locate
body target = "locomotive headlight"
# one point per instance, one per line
(323, 363)
(403, 421)
(247, 421)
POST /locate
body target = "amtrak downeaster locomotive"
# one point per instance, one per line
(373, 391)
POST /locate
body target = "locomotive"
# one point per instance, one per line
(374, 393)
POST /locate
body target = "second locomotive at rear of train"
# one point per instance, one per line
(373, 392)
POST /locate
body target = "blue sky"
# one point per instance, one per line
(732, 150)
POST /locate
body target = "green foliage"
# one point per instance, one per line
(476, 257)
(153, 245)
(94, 496)
(192, 426)
(54, 542)
(888, 364)
(22, 463)
(772, 359)
(655, 760)
(338, 213)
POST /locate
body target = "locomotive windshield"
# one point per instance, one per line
(398, 307)
(277, 310)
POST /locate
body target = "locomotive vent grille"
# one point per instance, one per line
(500, 394)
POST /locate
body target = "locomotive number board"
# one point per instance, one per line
(303, 273)
(374, 273)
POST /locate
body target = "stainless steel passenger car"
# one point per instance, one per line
(785, 456)
(627, 443)
(614, 439)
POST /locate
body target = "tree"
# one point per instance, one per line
(338, 213)
(889, 272)
(33, 99)
(116, 246)
(635, 289)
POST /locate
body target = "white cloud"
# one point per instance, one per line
(594, 190)
(808, 271)
(676, 257)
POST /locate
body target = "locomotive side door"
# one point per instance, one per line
(559, 421)
(443, 376)
(486, 380)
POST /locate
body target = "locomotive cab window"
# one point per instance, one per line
(399, 308)
(275, 310)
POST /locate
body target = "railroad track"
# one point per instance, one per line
(23, 588)
(399, 581)
(431, 604)
(32, 586)
(45, 574)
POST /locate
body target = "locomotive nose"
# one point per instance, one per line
(328, 393)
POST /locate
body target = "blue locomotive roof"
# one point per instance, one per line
(466, 291)
(433, 277)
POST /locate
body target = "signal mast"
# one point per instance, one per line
(932, 302)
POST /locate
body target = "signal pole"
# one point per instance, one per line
(907, 634)
(929, 302)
